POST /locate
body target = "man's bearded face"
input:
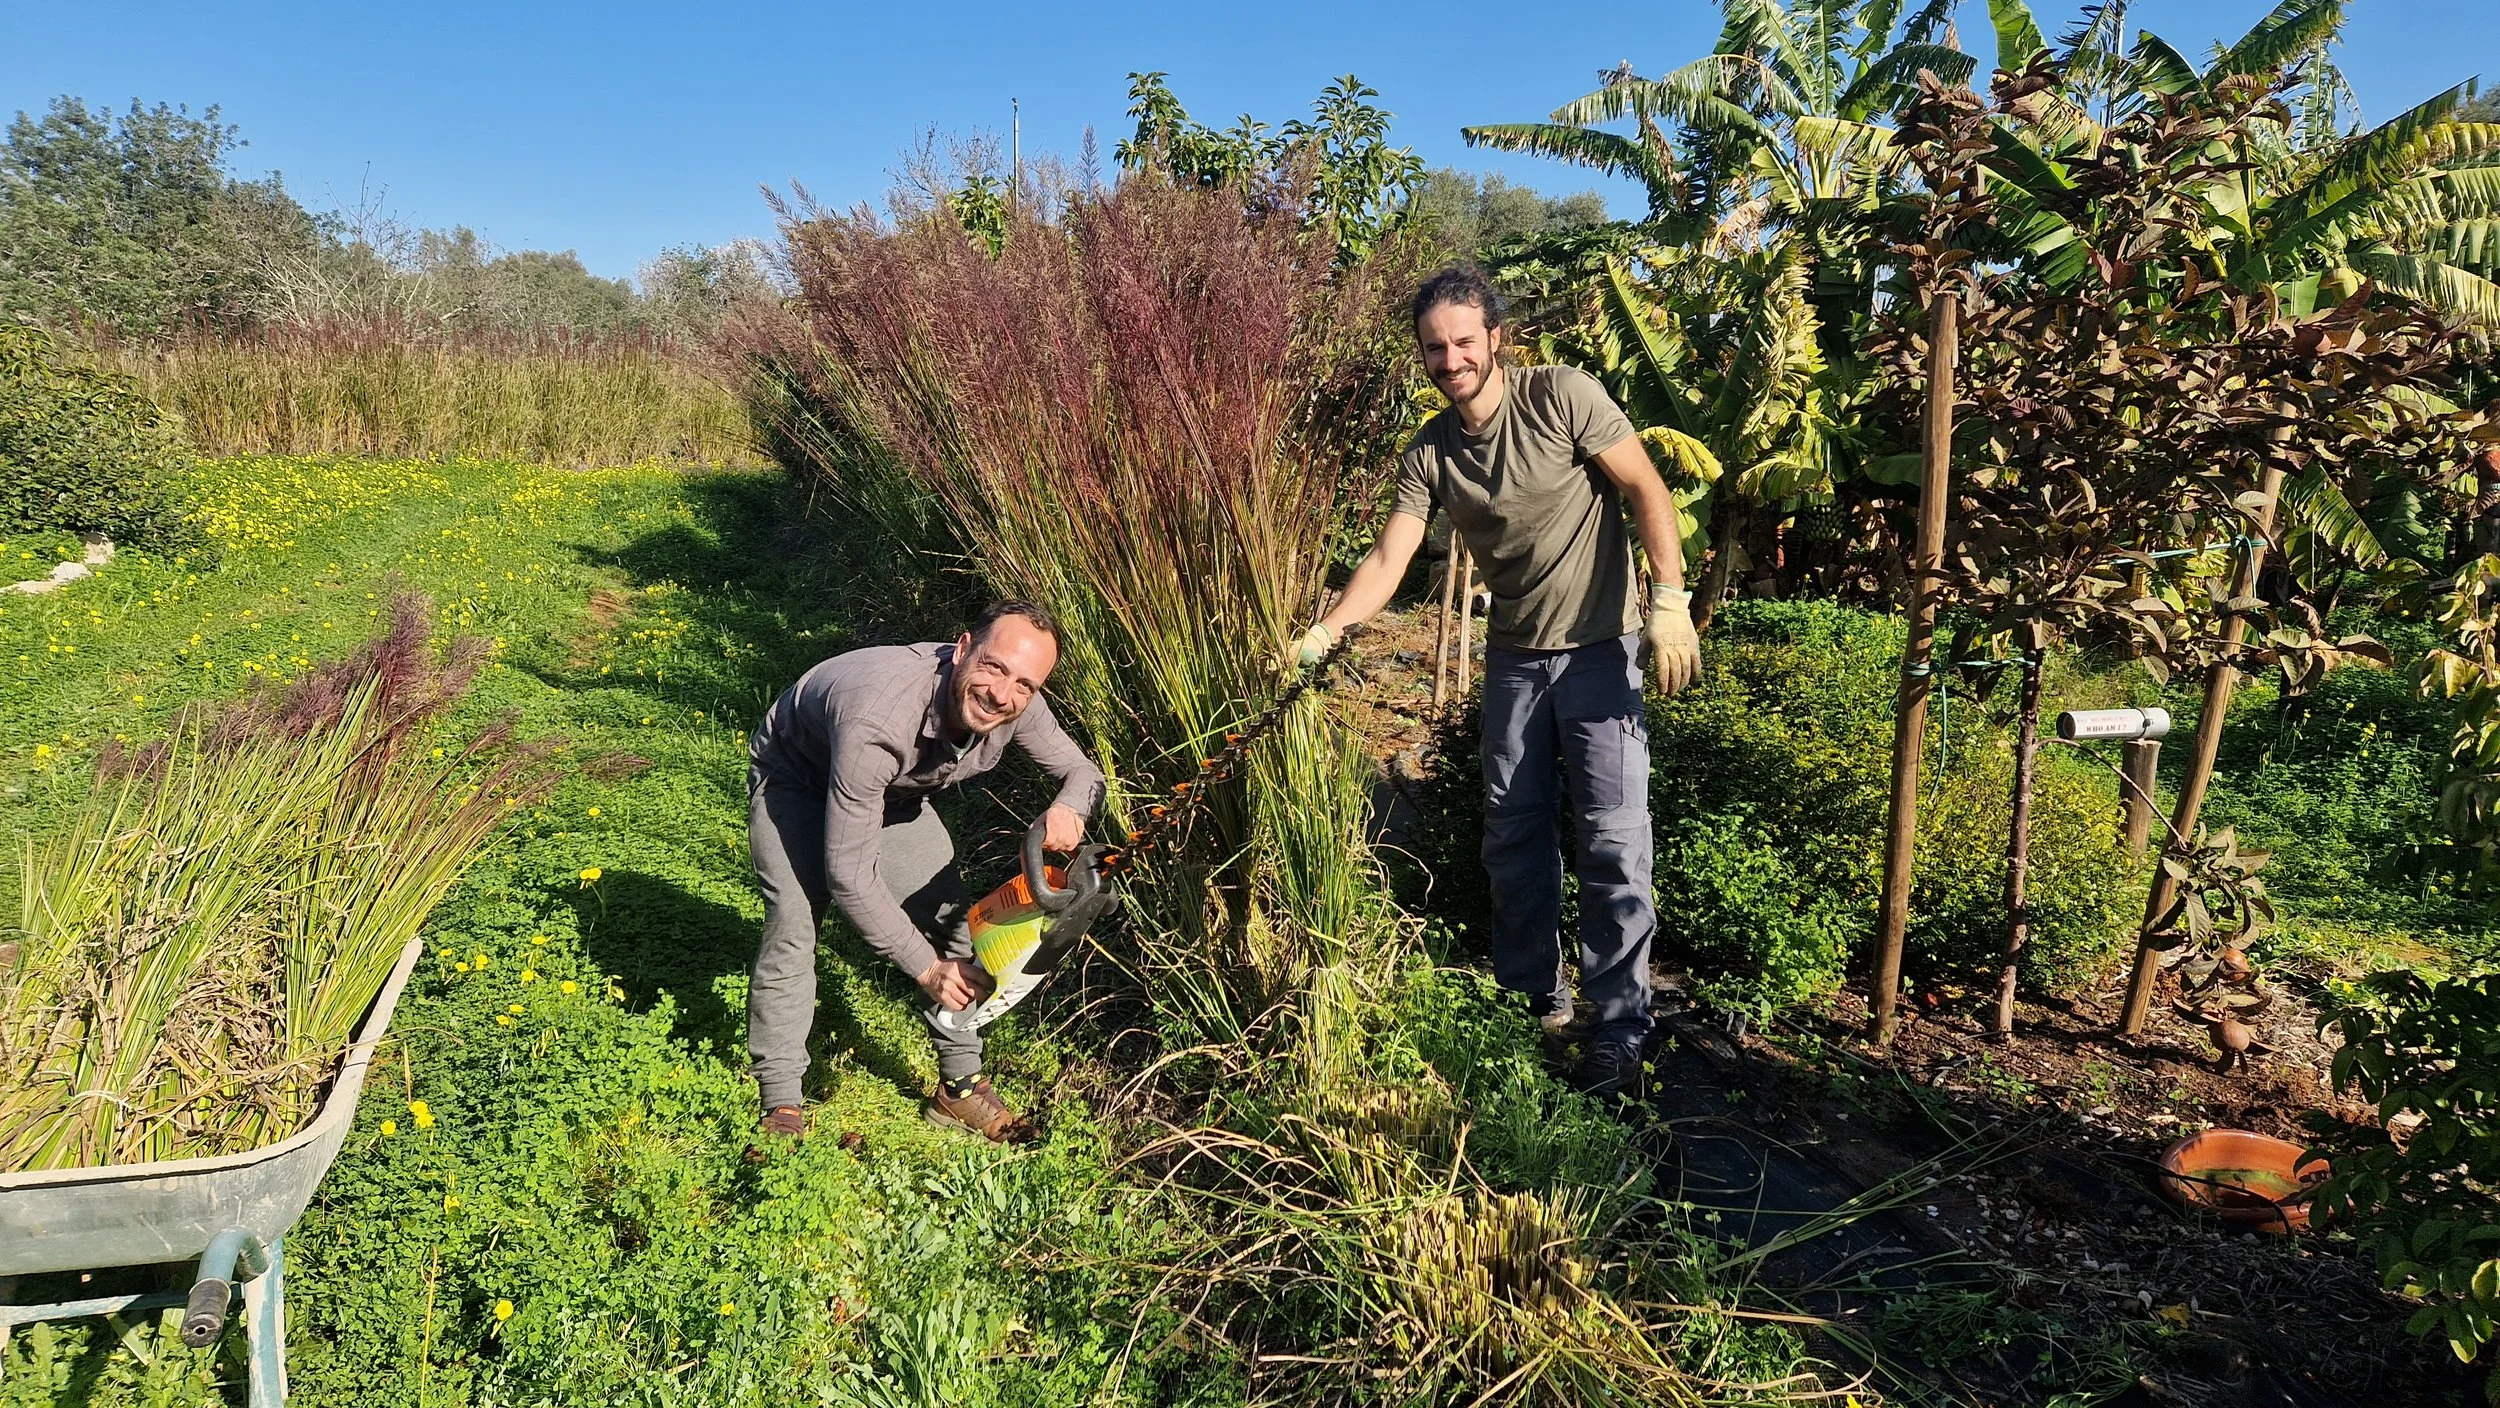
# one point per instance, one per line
(998, 676)
(1459, 350)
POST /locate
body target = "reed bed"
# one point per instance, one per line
(410, 391)
(196, 947)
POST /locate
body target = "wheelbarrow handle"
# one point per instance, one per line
(204, 1316)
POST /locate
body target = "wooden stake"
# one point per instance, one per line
(2200, 771)
(2141, 766)
(1441, 634)
(1466, 612)
(2018, 841)
(1909, 729)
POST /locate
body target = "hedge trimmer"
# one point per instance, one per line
(1024, 929)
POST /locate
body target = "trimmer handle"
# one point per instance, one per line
(1084, 873)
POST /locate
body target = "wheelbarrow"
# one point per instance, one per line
(229, 1213)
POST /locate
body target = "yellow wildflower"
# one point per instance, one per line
(529, 975)
(451, 1202)
(568, 987)
(516, 1009)
(590, 876)
(478, 961)
(503, 1311)
(594, 811)
(390, 1127)
(729, 1307)
(538, 938)
(423, 1116)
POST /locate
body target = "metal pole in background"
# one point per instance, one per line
(1909, 730)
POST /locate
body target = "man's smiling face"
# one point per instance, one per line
(998, 676)
(1459, 350)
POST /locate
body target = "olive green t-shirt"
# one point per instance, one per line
(1544, 522)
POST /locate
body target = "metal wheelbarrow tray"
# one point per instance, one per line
(223, 1210)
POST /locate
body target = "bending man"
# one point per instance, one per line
(1537, 468)
(841, 774)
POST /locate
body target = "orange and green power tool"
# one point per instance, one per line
(1024, 928)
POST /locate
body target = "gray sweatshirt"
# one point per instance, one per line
(869, 727)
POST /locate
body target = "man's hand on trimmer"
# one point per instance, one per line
(1674, 646)
(1063, 830)
(956, 983)
(1312, 647)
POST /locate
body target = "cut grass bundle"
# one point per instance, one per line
(394, 390)
(196, 947)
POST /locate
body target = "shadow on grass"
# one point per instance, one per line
(665, 941)
(783, 585)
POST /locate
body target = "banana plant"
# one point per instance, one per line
(1718, 360)
(1726, 319)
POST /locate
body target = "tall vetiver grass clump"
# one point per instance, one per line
(1146, 414)
(400, 390)
(196, 948)
(1151, 410)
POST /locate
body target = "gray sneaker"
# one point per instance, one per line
(1609, 1067)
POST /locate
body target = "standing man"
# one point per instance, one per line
(842, 770)
(1538, 470)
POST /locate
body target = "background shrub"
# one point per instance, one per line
(80, 449)
(1770, 795)
(2427, 1051)
(2342, 785)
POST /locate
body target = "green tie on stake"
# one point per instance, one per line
(1024, 929)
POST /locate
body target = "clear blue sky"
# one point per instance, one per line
(618, 129)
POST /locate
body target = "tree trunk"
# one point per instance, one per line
(2018, 844)
(1714, 578)
(2200, 768)
(1909, 722)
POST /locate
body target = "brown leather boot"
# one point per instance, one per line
(979, 1111)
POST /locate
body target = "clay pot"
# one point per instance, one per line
(2245, 1178)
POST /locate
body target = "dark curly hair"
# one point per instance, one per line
(999, 611)
(1462, 284)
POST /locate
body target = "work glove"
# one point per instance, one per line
(1313, 646)
(1674, 647)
